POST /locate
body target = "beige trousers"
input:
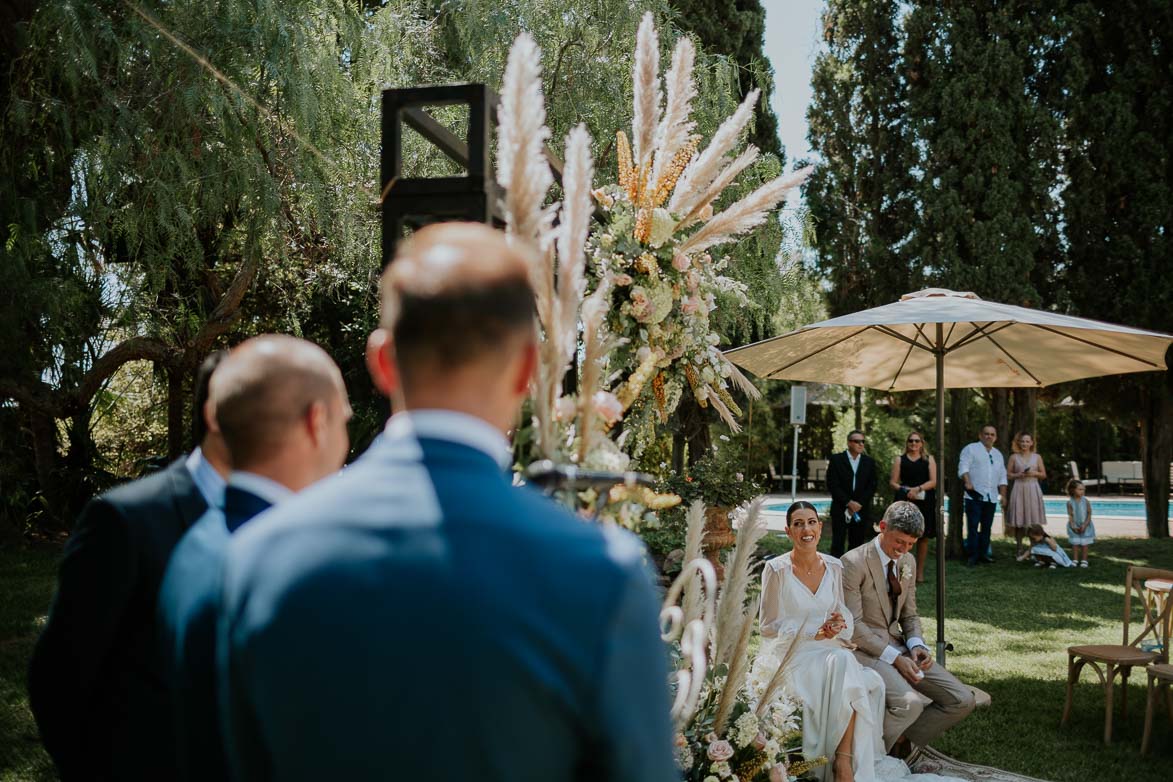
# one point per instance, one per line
(921, 713)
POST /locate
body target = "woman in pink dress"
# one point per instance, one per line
(1025, 506)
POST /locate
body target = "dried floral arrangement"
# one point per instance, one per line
(643, 282)
(735, 721)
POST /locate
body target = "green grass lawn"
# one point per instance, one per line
(1010, 625)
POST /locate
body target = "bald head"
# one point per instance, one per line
(455, 293)
(264, 394)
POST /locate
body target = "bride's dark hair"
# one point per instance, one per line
(800, 505)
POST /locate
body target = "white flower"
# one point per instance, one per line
(740, 477)
(711, 778)
(662, 225)
(722, 769)
(724, 437)
(745, 730)
(906, 572)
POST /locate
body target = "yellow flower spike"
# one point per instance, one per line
(798, 769)
(648, 264)
(672, 174)
(695, 383)
(751, 766)
(661, 397)
(623, 153)
(644, 496)
(727, 398)
(643, 226)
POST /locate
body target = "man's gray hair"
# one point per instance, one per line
(903, 516)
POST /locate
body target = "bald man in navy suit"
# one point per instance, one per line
(417, 616)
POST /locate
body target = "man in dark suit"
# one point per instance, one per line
(417, 616)
(96, 685)
(851, 480)
(280, 404)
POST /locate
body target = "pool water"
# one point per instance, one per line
(1117, 509)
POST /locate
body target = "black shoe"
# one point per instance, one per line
(987, 560)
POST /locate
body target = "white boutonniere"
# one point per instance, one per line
(906, 572)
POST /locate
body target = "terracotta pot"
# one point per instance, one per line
(719, 535)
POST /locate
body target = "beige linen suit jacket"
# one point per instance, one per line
(865, 591)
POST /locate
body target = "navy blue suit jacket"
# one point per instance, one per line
(188, 601)
(417, 617)
(96, 684)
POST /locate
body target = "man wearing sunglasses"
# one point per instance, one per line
(851, 481)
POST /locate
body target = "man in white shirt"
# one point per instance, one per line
(983, 469)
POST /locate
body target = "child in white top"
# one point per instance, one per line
(1081, 533)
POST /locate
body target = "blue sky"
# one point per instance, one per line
(792, 39)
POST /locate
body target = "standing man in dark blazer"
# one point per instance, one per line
(280, 404)
(851, 480)
(96, 686)
(419, 617)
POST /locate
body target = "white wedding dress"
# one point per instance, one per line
(825, 676)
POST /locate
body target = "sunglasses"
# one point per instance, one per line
(861, 442)
(914, 439)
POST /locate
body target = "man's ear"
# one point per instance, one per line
(316, 421)
(381, 362)
(209, 413)
(526, 367)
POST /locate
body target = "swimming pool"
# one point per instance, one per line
(1116, 509)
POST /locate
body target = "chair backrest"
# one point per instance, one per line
(1156, 622)
(773, 473)
(816, 469)
(1117, 471)
(1073, 468)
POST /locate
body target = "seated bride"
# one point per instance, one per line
(843, 702)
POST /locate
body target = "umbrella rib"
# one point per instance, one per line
(774, 375)
(996, 344)
(902, 363)
(897, 335)
(1094, 344)
(949, 336)
(979, 332)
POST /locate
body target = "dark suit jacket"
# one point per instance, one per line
(96, 684)
(188, 601)
(417, 617)
(839, 485)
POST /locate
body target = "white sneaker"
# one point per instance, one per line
(1023, 556)
(1083, 563)
(1038, 564)
(1052, 566)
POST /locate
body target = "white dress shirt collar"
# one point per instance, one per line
(265, 488)
(453, 427)
(884, 558)
(207, 480)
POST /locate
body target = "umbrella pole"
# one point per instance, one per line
(939, 352)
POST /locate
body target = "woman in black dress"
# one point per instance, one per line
(914, 477)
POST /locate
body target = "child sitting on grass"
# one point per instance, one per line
(1044, 550)
(1081, 533)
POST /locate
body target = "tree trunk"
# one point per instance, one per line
(1026, 402)
(1156, 440)
(46, 461)
(956, 437)
(694, 426)
(999, 416)
(176, 403)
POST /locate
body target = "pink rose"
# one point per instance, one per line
(778, 773)
(608, 406)
(720, 750)
(680, 262)
(690, 305)
(564, 409)
(760, 742)
(622, 279)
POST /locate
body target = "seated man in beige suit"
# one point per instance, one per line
(923, 699)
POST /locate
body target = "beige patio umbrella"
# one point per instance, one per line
(946, 339)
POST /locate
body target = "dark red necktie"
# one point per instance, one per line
(893, 586)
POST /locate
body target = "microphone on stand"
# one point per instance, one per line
(551, 477)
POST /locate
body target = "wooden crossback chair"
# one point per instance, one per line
(1122, 658)
(1160, 679)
